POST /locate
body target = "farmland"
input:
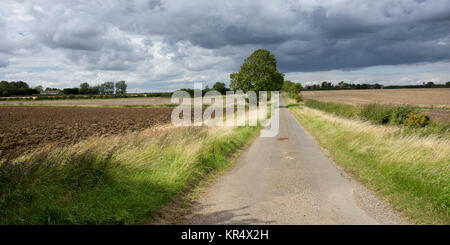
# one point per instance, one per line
(429, 97)
(100, 163)
(120, 102)
(406, 166)
(25, 128)
(121, 179)
(435, 102)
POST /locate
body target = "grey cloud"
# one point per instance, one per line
(304, 35)
(385, 33)
(4, 63)
(86, 39)
(153, 4)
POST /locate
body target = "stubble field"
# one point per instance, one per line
(434, 101)
(429, 97)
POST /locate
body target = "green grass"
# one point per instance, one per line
(377, 113)
(115, 180)
(335, 108)
(383, 114)
(411, 172)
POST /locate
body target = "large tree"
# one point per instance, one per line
(39, 88)
(4, 85)
(258, 73)
(107, 88)
(84, 88)
(121, 87)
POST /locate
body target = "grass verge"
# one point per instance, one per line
(386, 114)
(115, 180)
(411, 172)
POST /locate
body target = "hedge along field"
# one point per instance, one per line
(113, 180)
(377, 113)
(410, 171)
(133, 101)
(416, 123)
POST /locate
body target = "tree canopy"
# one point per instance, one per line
(121, 87)
(220, 87)
(291, 87)
(107, 88)
(16, 88)
(258, 73)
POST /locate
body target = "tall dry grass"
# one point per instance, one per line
(113, 180)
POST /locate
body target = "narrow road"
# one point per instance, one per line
(288, 180)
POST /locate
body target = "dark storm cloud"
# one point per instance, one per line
(391, 45)
(343, 42)
(313, 38)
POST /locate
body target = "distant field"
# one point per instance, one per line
(93, 102)
(436, 98)
(428, 97)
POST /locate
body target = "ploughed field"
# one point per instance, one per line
(26, 128)
(435, 101)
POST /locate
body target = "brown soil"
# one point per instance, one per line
(26, 128)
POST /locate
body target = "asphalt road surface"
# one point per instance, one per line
(288, 179)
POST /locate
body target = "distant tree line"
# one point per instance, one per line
(218, 86)
(104, 88)
(343, 85)
(16, 88)
(22, 88)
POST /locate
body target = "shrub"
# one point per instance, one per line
(401, 113)
(417, 120)
(296, 97)
(376, 113)
(384, 114)
(291, 87)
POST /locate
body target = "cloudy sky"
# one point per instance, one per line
(163, 45)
